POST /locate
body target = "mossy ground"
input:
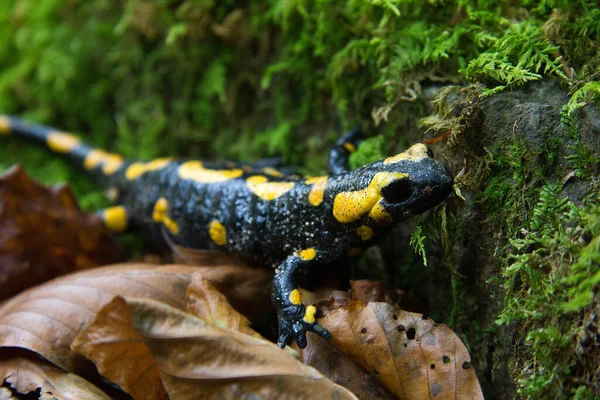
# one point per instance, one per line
(244, 80)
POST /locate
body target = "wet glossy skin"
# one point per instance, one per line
(291, 223)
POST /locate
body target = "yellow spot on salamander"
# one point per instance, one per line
(272, 171)
(415, 153)
(364, 232)
(268, 190)
(115, 218)
(295, 297)
(194, 170)
(4, 125)
(350, 147)
(309, 314)
(217, 232)
(110, 162)
(171, 225)
(160, 209)
(315, 197)
(350, 206)
(307, 255)
(160, 215)
(137, 169)
(378, 213)
(62, 142)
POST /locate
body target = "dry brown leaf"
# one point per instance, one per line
(43, 234)
(413, 357)
(47, 318)
(205, 302)
(198, 360)
(342, 370)
(247, 289)
(25, 375)
(119, 352)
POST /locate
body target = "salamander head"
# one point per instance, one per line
(417, 182)
(393, 189)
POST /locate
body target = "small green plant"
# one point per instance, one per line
(417, 242)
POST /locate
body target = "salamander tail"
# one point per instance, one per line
(91, 159)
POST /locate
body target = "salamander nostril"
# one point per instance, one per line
(397, 191)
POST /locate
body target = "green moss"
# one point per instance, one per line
(370, 150)
(519, 56)
(550, 276)
(582, 160)
(589, 93)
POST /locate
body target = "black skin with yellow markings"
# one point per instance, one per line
(291, 223)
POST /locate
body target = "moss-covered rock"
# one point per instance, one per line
(522, 244)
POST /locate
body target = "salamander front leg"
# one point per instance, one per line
(295, 319)
(346, 145)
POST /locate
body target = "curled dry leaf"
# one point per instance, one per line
(119, 352)
(26, 375)
(412, 356)
(205, 302)
(43, 234)
(47, 318)
(198, 360)
(247, 289)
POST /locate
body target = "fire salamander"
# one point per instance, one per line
(289, 222)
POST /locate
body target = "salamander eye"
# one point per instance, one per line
(397, 191)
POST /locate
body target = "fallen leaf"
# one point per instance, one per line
(119, 352)
(247, 289)
(43, 234)
(412, 356)
(207, 303)
(342, 370)
(47, 318)
(25, 376)
(198, 360)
